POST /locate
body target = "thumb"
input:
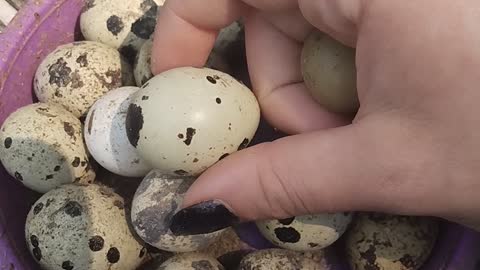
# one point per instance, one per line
(343, 169)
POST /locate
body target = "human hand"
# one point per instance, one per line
(412, 147)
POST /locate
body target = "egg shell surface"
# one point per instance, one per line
(42, 147)
(106, 136)
(75, 75)
(184, 120)
(82, 228)
(379, 241)
(121, 24)
(305, 233)
(156, 200)
(329, 73)
(280, 259)
(191, 261)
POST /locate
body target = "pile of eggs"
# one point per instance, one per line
(113, 149)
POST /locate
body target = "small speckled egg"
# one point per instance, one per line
(280, 259)
(378, 241)
(121, 24)
(42, 147)
(305, 233)
(157, 199)
(106, 136)
(218, 58)
(186, 119)
(142, 70)
(191, 261)
(82, 228)
(329, 72)
(75, 75)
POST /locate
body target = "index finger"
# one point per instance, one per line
(189, 29)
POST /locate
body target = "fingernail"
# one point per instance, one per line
(202, 218)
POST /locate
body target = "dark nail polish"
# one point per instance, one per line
(202, 218)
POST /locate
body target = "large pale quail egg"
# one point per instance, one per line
(75, 75)
(223, 56)
(121, 24)
(280, 259)
(42, 147)
(184, 120)
(157, 199)
(378, 241)
(106, 136)
(82, 228)
(329, 73)
(305, 233)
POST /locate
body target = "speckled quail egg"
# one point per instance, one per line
(106, 136)
(304, 233)
(329, 73)
(82, 227)
(157, 199)
(191, 261)
(186, 119)
(280, 259)
(121, 24)
(218, 58)
(378, 241)
(42, 147)
(229, 242)
(75, 75)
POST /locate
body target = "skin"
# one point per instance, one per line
(411, 149)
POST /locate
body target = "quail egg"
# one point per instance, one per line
(378, 241)
(82, 227)
(191, 261)
(218, 59)
(229, 242)
(75, 75)
(42, 147)
(280, 259)
(305, 233)
(156, 200)
(186, 119)
(121, 24)
(106, 137)
(329, 73)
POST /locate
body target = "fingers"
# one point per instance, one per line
(274, 67)
(343, 169)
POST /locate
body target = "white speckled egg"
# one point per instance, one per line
(281, 259)
(329, 72)
(82, 228)
(191, 261)
(305, 233)
(157, 199)
(106, 136)
(218, 59)
(75, 75)
(142, 70)
(121, 24)
(186, 119)
(42, 147)
(379, 241)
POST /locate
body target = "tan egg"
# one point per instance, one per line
(191, 261)
(82, 228)
(378, 241)
(156, 200)
(184, 120)
(43, 148)
(305, 233)
(121, 24)
(329, 73)
(281, 259)
(75, 75)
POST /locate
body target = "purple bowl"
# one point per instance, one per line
(36, 31)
